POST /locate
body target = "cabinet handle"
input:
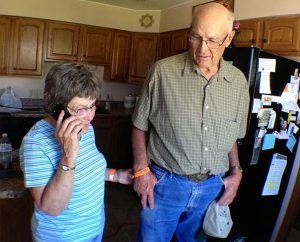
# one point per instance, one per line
(265, 40)
(253, 41)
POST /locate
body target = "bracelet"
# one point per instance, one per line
(237, 167)
(66, 168)
(111, 175)
(141, 172)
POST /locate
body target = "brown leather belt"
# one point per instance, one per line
(197, 177)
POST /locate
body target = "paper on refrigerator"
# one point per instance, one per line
(277, 167)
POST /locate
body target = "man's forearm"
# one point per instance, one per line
(140, 159)
(233, 156)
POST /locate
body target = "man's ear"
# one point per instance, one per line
(230, 37)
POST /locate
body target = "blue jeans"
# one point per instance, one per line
(179, 207)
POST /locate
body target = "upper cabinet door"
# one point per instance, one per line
(173, 42)
(5, 26)
(96, 45)
(62, 41)
(118, 68)
(179, 41)
(164, 45)
(27, 49)
(143, 54)
(282, 35)
(250, 34)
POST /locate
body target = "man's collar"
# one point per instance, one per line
(223, 73)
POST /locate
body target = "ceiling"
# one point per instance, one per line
(142, 4)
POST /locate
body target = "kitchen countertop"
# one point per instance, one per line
(12, 187)
(12, 182)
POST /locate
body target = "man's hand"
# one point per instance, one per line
(144, 186)
(231, 183)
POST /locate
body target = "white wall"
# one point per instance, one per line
(79, 11)
(180, 16)
(245, 9)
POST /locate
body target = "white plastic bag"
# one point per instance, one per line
(9, 102)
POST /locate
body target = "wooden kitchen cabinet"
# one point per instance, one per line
(143, 55)
(121, 149)
(96, 45)
(113, 139)
(74, 42)
(164, 45)
(118, 68)
(172, 43)
(62, 41)
(179, 41)
(27, 46)
(15, 218)
(282, 35)
(250, 33)
(5, 26)
(278, 35)
(103, 128)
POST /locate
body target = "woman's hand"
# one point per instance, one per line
(124, 176)
(67, 135)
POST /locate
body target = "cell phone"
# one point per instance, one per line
(57, 109)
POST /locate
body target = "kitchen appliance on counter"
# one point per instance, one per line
(13, 168)
(129, 101)
(261, 206)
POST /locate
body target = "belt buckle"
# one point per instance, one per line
(197, 177)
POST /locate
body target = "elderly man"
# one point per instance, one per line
(194, 107)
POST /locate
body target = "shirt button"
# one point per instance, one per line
(205, 128)
(205, 149)
(206, 107)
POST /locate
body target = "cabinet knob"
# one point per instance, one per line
(265, 40)
(253, 41)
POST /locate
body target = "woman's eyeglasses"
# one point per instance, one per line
(83, 111)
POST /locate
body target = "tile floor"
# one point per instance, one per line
(122, 215)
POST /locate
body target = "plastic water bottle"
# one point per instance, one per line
(5, 151)
(107, 103)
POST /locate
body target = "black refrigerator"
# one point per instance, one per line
(256, 216)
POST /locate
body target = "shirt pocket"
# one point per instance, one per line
(227, 135)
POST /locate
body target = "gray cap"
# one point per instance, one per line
(217, 221)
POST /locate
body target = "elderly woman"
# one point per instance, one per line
(62, 166)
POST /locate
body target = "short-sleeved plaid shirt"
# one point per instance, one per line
(193, 122)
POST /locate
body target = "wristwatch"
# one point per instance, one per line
(66, 168)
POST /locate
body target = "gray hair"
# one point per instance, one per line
(65, 81)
